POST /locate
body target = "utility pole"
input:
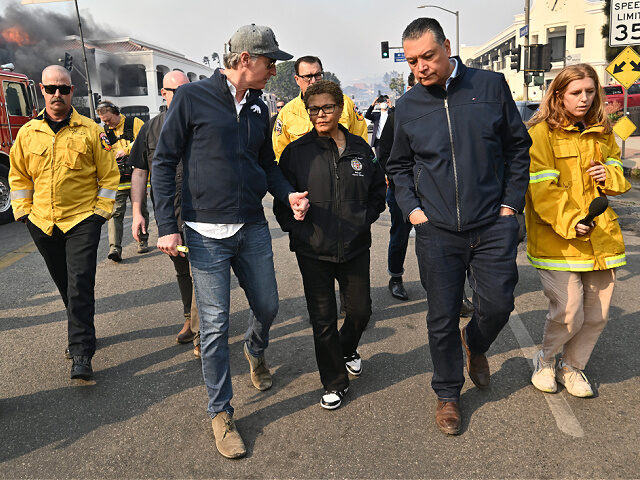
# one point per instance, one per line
(86, 65)
(525, 51)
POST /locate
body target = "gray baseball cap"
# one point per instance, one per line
(257, 40)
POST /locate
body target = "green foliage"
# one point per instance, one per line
(284, 85)
(397, 84)
(610, 52)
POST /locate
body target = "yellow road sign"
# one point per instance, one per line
(624, 128)
(625, 68)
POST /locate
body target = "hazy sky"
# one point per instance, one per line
(345, 34)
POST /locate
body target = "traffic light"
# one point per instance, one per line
(68, 61)
(384, 47)
(539, 57)
(515, 58)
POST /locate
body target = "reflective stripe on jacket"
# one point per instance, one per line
(61, 179)
(293, 122)
(559, 194)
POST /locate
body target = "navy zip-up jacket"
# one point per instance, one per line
(459, 154)
(228, 159)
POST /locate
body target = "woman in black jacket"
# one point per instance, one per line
(347, 193)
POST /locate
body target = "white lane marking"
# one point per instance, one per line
(565, 419)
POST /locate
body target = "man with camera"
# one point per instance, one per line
(379, 119)
(121, 132)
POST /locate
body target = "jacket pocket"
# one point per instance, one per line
(38, 158)
(76, 148)
(566, 154)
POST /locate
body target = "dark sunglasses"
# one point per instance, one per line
(318, 76)
(51, 89)
(171, 89)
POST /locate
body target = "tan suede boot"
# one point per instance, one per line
(260, 374)
(228, 441)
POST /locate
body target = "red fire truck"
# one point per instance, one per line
(18, 105)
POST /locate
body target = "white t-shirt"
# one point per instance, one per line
(221, 230)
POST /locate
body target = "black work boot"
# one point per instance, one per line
(81, 367)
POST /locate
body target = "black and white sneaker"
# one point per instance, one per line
(332, 400)
(353, 364)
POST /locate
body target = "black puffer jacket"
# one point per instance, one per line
(346, 193)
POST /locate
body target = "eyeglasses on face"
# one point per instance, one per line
(315, 76)
(327, 109)
(270, 62)
(172, 90)
(51, 89)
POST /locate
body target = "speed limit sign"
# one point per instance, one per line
(624, 28)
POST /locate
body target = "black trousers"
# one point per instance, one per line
(331, 345)
(185, 282)
(71, 261)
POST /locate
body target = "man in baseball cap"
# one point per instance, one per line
(219, 127)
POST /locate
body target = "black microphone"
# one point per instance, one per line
(597, 207)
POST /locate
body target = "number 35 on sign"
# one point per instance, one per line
(624, 28)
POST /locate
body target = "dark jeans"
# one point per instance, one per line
(398, 236)
(331, 345)
(249, 254)
(488, 256)
(71, 260)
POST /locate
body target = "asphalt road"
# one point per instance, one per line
(145, 415)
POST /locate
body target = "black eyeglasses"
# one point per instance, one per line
(51, 89)
(316, 76)
(271, 64)
(170, 89)
(327, 109)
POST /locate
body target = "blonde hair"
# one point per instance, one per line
(552, 108)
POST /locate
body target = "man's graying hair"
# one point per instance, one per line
(420, 26)
(231, 60)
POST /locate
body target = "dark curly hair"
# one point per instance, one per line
(324, 86)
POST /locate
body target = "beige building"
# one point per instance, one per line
(572, 27)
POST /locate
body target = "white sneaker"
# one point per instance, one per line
(544, 374)
(574, 380)
(353, 364)
(332, 400)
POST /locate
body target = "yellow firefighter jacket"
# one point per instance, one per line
(293, 122)
(559, 194)
(61, 179)
(125, 145)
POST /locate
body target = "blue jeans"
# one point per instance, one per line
(487, 255)
(398, 236)
(249, 253)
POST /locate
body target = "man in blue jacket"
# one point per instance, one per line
(460, 164)
(220, 129)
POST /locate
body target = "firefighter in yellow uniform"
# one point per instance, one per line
(293, 120)
(121, 132)
(63, 186)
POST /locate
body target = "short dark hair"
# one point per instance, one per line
(306, 59)
(420, 26)
(411, 79)
(324, 86)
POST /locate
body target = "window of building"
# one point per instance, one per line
(558, 47)
(132, 80)
(580, 38)
(192, 77)
(161, 71)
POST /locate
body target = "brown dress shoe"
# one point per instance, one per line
(477, 364)
(448, 417)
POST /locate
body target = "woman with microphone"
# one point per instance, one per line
(574, 160)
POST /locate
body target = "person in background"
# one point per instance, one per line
(574, 160)
(141, 159)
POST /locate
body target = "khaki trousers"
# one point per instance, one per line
(578, 311)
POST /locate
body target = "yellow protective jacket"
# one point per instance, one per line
(293, 122)
(559, 194)
(125, 145)
(61, 179)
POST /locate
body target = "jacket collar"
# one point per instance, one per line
(590, 129)
(75, 120)
(439, 91)
(328, 141)
(219, 81)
